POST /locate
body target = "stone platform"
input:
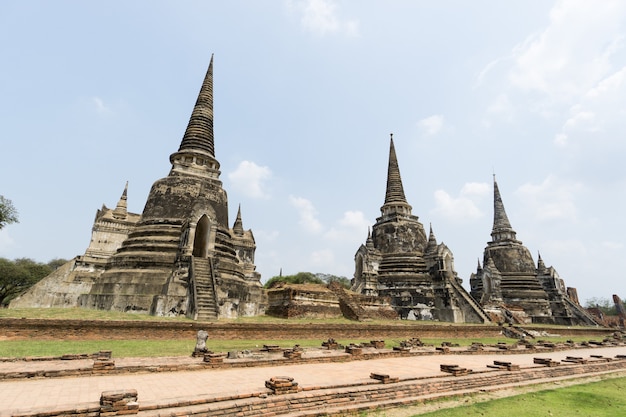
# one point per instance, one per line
(317, 388)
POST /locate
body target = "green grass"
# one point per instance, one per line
(184, 347)
(134, 348)
(137, 348)
(597, 399)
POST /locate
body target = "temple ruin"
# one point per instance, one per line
(512, 288)
(179, 256)
(398, 261)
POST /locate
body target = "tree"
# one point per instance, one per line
(329, 278)
(8, 213)
(299, 278)
(605, 305)
(307, 278)
(56, 263)
(19, 275)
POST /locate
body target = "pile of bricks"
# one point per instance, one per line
(546, 362)
(103, 366)
(330, 344)
(455, 370)
(355, 350)
(402, 348)
(476, 346)
(574, 359)
(378, 344)
(504, 365)
(103, 354)
(70, 357)
(120, 402)
(384, 378)
(214, 358)
(282, 385)
(271, 348)
(295, 353)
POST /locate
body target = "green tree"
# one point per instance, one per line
(8, 213)
(307, 278)
(299, 278)
(19, 275)
(55, 263)
(605, 305)
(328, 278)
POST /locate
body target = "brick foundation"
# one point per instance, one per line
(44, 329)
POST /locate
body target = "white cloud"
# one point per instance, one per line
(601, 109)
(307, 214)
(501, 108)
(351, 227)
(322, 258)
(321, 17)
(266, 235)
(463, 207)
(553, 199)
(100, 107)
(431, 125)
(478, 189)
(569, 248)
(573, 53)
(249, 179)
(612, 245)
(581, 119)
(560, 139)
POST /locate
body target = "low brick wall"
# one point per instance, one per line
(44, 329)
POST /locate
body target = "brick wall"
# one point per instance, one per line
(44, 329)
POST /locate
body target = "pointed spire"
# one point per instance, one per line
(369, 243)
(479, 267)
(431, 246)
(395, 201)
(238, 226)
(199, 133)
(502, 229)
(540, 265)
(121, 211)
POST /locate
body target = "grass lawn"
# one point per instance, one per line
(143, 348)
(597, 399)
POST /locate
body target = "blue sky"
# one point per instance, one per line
(94, 94)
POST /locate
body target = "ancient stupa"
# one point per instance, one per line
(179, 256)
(511, 287)
(399, 262)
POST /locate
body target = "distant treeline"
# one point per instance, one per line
(18, 275)
(307, 278)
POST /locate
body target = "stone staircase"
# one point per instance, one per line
(461, 293)
(581, 313)
(349, 307)
(205, 300)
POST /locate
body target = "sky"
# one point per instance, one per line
(306, 94)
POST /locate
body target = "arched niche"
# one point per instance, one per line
(201, 237)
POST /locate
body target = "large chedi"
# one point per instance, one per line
(399, 262)
(179, 256)
(511, 288)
